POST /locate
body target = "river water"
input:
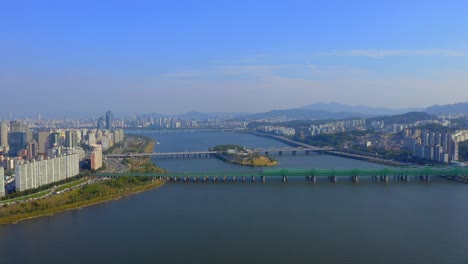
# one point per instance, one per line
(296, 222)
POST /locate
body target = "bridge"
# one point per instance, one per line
(386, 174)
(208, 154)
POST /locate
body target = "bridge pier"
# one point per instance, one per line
(307, 152)
(253, 178)
(314, 179)
(215, 178)
(333, 179)
(355, 179)
(263, 179)
(294, 153)
(280, 153)
(285, 178)
(224, 179)
(233, 178)
(243, 178)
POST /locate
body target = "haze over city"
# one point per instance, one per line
(251, 56)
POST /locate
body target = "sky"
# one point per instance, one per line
(176, 56)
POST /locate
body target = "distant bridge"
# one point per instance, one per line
(385, 174)
(207, 154)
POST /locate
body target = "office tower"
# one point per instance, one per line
(18, 126)
(54, 140)
(109, 119)
(16, 141)
(32, 149)
(71, 139)
(100, 123)
(3, 134)
(43, 141)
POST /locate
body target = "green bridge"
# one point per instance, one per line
(384, 174)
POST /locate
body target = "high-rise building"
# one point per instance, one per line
(3, 134)
(18, 126)
(16, 141)
(33, 149)
(2, 182)
(43, 141)
(96, 157)
(100, 123)
(54, 140)
(30, 175)
(71, 139)
(109, 120)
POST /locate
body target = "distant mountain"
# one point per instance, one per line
(406, 118)
(362, 109)
(299, 114)
(459, 108)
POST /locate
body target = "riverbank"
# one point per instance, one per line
(64, 202)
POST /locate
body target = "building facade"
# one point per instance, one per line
(33, 174)
(4, 135)
(96, 157)
(109, 120)
(2, 182)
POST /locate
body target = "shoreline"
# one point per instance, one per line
(16, 219)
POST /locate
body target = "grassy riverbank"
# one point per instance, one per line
(91, 194)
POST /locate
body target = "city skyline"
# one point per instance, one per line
(231, 56)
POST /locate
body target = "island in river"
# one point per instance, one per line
(243, 156)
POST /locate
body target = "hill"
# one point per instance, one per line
(459, 108)
(407, 118)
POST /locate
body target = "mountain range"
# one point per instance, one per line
(458, 108)
(314, 111)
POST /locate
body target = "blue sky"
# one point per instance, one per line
(178, 56)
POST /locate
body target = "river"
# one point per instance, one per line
(296, 222)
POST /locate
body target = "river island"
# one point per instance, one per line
(241, 155)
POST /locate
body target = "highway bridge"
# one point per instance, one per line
(208, 154)
(385, 174)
